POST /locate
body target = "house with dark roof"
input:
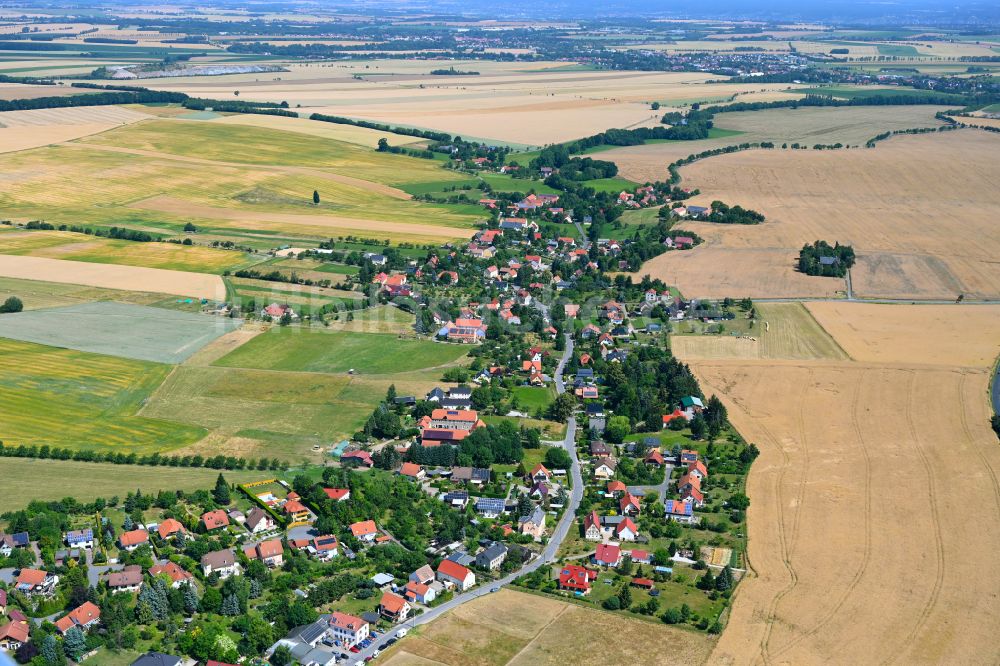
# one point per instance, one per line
(128, 579)
(492, 557)
(157, 659)
(490, 507)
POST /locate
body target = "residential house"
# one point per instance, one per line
(539, 491)
(259, 520)
(394, 607)
(296, 511)
(83, 617)
(470, 475)
(169, 528)
(412, 471)
(419, 593)
(80, 538)
(688, 457)
(626, 530)
(681, 512)
(492, 557)
(455, 574)
(697, 469)
(35, 582)
(348, 629)
(277, 311)
(490, 507)
(157, 659)
(15, 633)
(458, 499)
(592, 527)
(424, 575)
(269, 552)
(364, 530)
(617, 488)
(640, 556)
(338, 494)
(133, 539)
(127, 580)
(540, 474)
(608, 555)
(177, 575)
(605, 468)
(214, 520)
(692, 404)
(357, 459)
(3, 602)
(465, 331)
(222, 562)
(654, 458)
(533, 524)
(575, 578)
(324, 547)
(629, 505)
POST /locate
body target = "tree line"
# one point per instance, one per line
(151, 460)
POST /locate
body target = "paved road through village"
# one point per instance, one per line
(547, 555)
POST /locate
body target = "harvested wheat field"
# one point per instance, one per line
(134, 278)
(20, 130)
(519, 628)
(805, 125)
(919, 210)
(856, 549)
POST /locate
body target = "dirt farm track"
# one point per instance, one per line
(875, 515)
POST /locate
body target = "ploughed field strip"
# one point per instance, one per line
(118, 329)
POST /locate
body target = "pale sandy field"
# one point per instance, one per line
(807, 126)
(518, 628)
(134, 278)
(20, 130)
(919, 210)
(513, 102)
(860, 548)
(348, 133)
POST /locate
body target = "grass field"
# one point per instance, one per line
(321, 351)
(518, 628)
(153, 334)
(783, 331)
(81, 247)
(79, 400)
(856, 92)
(29, 479)
(163, 176)
(291, 410)
(915, 237)
(36, 294)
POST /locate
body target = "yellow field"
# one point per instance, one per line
(807, 126)
(919, 210)
(21, 130)
(860, 551)
(518, 628)
(512, 102)
(133, 278)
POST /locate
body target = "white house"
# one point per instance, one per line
(455, 574)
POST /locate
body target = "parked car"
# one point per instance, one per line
(355, 648)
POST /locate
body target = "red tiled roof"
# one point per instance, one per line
(410, 469)
(337, 493)
(293, 507)
(169, 527)
(453, 569)
(134, 538)
(345, 621)
(608, 553)
(84, 614)
(392, 603)
(363, 528)
(215, 519)
(31, 577)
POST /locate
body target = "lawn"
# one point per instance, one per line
(79, 400)
(613, 185)
(533, 398)
(340, 351)
(27, 479)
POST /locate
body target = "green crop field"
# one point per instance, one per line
(153, 334)
(161, 190)
(339, 351)
(263, 146)
(67, 398)
(856, 92)
(27, 479)
(37, 294)
(897, 50)
(293, 410)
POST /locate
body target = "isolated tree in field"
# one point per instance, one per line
(316, 197)
(383, 145)
(12, 304)
(190, 228)
(221, 492)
